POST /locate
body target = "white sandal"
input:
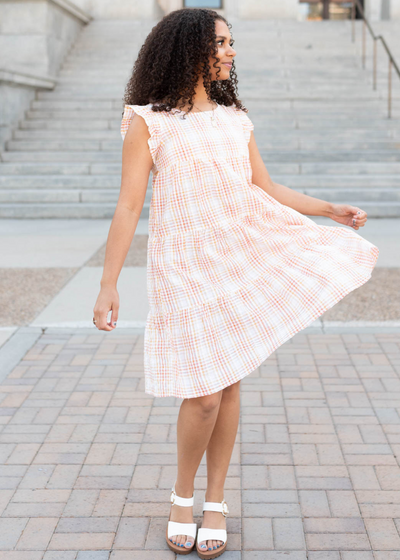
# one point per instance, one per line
(175, 528)
(204, 534)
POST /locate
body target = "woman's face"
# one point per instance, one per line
(225, 52)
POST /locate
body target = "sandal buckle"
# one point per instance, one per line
(225, 509)
(172, 497)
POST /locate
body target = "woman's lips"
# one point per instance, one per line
(227, 64)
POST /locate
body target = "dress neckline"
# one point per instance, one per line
(179, 111)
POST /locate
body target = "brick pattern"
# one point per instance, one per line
(87, 459)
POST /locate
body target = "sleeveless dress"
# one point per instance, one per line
(231, 273)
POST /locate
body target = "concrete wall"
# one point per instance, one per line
(281, 9)
(377, 10)
(121, 9)
(14, 100)
(394, 9)
(247, 9)
(373, 9)
(35, 35)
(17, 90)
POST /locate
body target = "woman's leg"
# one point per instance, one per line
(195, 424)
(219, 452)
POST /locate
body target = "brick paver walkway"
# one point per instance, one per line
(88, 459)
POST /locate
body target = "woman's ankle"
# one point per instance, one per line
(214, 495)
(184, 491)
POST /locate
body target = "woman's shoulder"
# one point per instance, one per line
(235, 109)
(243, 119)
(236, 112)
(145, 111)
(139, 109)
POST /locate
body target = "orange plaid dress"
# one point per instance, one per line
(231, 273)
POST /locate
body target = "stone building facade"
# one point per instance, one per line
(35, 36)
(242, 9)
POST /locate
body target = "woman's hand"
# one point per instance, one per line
(108, 299)
(348, 215)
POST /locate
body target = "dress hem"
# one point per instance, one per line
(252, 366)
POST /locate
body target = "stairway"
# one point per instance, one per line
(319, 126)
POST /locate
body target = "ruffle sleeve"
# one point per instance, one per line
(150, 118)
(247, 124)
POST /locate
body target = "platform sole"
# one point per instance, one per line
(178, 549)
(212, 553)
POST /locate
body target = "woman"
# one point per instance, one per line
(234, 267)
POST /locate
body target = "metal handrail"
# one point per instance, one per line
(376, 38)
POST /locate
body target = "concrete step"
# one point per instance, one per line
(310, 107)
(36, 169)
(51, 127)
(77, 104)
(47, 119)
(45, 195)
(275, 141)
(58, 195)
(62, 210)
(289, 167)
(295, 180)
(85, 153)
(319, 125)
(53, 182)
(106, 210)
(265, 134)
(339, 158)
(115, 91)
(111, 140)
(59, 155)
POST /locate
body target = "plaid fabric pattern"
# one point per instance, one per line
(232, 274)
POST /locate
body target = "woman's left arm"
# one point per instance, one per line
(343, 213)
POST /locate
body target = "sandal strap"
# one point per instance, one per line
(222, 507)
(184, 502)
(175, 528)
(204, 534)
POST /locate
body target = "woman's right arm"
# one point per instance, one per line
(136, 167)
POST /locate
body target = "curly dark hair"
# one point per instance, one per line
(164, 73)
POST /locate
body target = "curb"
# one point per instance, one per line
(15, 348)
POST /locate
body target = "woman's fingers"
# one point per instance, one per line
(108, 300)
(359, 219)
(114, 315)
(101, 321)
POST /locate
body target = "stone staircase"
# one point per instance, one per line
(320, 127)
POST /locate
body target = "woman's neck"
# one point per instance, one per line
(200, 99)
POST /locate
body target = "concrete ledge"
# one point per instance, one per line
(318, 326)
(140, 325)
(37, 34)
(66, 5)
(24, 79)
(12, 352)
(72, 9)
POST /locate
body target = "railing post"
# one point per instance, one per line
(363, 43)
(325, 9)
(390, 88)
(356, 4)
(353, 17)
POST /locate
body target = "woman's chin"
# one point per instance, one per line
(224, 75)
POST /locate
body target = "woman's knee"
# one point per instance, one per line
(209, 403)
